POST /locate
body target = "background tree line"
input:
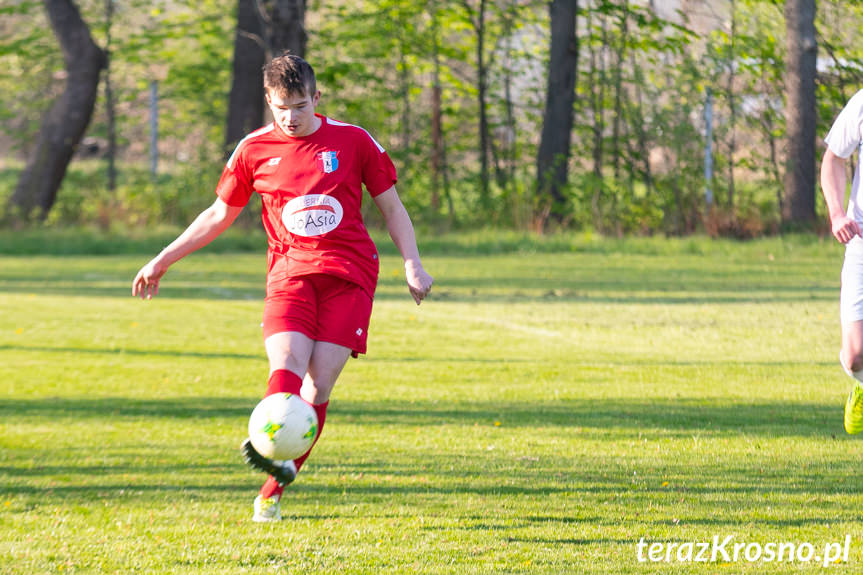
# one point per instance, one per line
(472, 98)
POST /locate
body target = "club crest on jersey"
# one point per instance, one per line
(312, 215)
(328, 162)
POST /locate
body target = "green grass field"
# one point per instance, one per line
(543, 412)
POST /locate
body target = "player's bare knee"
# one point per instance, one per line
(852, 355)
(318, 390)
(288, 351)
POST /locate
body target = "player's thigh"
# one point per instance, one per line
(344, 312)
(325, 366)
(851, 294)
(289, 350)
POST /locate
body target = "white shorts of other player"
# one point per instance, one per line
(851, 295)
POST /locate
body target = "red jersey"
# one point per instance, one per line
(311, 191)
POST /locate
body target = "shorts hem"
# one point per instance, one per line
(855, 317)
(355, 349)
(305, 332)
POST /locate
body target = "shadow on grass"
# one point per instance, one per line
(643, 415)
(484, 294)
(55, 408)
(543, 278)
(396, 359)
(732, 489)
(730, 498)
(131, 351)
(723, 481)
(119, 467)
(574, 541)
(125, 489)
(663, 416)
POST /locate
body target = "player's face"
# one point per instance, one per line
(294, 114)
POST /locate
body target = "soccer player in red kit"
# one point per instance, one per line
(322, 266)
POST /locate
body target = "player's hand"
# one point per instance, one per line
(419, 282)
(844, 228)
(146, 283)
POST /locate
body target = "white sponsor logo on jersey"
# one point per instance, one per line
(312, 215)
(274, 161)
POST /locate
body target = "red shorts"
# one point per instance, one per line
(323, 307)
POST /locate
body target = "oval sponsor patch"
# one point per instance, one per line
(312, 215)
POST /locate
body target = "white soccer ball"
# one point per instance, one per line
(283, 426)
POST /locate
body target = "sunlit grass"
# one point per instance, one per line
(540, 414)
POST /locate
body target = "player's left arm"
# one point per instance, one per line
(402, 232)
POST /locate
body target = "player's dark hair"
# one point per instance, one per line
(288, 74)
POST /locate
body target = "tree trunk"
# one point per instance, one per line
(438, 155)
(482, 73)
(800, 112)
(618, 89)
(436, 117)
(110, 111)
(437, 146)
(598, 75)
(511, 136)
(732, 109)
(404, 82)
(477, 21)
(482, 70)
(246, 103)
(768, 129)
(64, 124)
(554, 148)
(635, 118)
(265, 28)
(284, 23)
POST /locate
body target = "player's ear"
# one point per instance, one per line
(316, 98)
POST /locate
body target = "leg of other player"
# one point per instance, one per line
(852, 346)
(851, 358)
(851, 315)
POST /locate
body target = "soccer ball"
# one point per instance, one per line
(283, 426)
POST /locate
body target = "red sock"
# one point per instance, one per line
(271, 486)
(284, 381)
(321, 411)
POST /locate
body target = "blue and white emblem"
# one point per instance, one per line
(328, 162)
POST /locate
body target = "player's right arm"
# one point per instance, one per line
(833, 179)
(206, 227)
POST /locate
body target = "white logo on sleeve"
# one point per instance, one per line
(312, 215)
